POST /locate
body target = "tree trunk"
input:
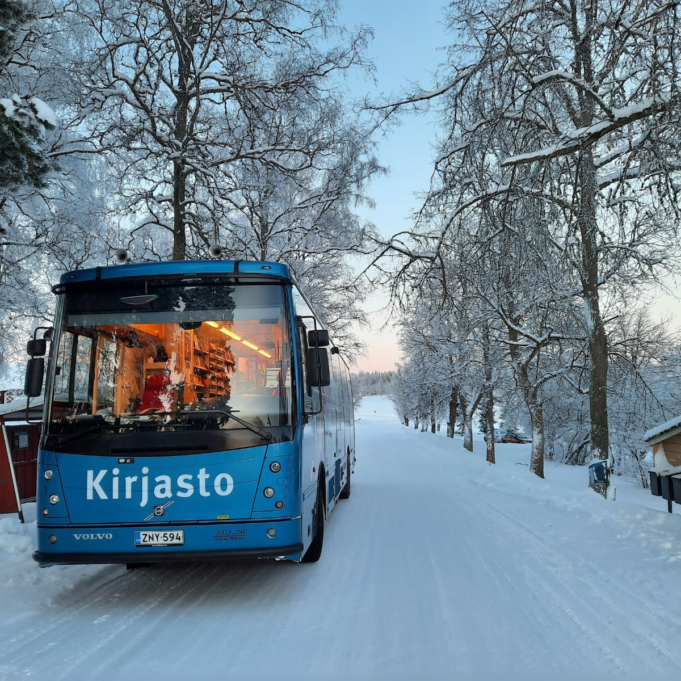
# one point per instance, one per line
(467, 425)
(406, 421)
(416, 424)
(598, 341)
(453, 404)
(467, 432)
(537, 420)
(179, 195)
(489, 418)
(534, 407)
(588, 226)
(489, 396)
(432, 418)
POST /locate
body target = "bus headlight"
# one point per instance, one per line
(54, 499)
(271, 533)
(49, 474)
(268, 492)
(275, 467)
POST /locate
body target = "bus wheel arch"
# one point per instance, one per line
(345, 492)
(314, 551)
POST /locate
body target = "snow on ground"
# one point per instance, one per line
(438, 566)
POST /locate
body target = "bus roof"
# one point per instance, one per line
(175, 267)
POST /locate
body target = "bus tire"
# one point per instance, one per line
(345, 492)
(314, 551)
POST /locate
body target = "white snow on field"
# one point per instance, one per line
(438, 566)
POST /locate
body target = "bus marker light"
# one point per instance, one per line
(279, 504)
(268, 492)
(46, 511)
(52, 539)
(223, 517)
(54, 499)
(275, 467)
(271, 533)
(49, 474)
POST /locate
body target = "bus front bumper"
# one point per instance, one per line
(221, 541)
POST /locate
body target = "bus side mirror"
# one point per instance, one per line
(322, 378)
(36, 347)
(35, 372)
(318, 338)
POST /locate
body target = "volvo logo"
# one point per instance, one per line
(159, 511)
(107, 535)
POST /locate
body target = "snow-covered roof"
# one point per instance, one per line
(19, 405)
(654, 433)
(667, 470)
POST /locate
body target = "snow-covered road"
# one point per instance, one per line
(437, 564)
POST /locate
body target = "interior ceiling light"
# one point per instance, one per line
(227, 332)
(231, 334)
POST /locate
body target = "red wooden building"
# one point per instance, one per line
(22, 439)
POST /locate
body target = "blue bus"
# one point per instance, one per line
(193, 410)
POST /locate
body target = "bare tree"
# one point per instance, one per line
(186, 91)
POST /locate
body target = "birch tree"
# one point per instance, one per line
(590, 93)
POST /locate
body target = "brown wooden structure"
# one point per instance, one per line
(665, 476)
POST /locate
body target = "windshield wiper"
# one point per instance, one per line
(230, 414)
(92, 429)
(251, 426)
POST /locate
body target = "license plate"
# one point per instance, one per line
(162, 538)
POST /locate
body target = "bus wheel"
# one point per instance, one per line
(345, 492)
(314, 551)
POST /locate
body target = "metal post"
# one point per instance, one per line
(11, 468)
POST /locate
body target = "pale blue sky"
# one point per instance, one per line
(407, 36)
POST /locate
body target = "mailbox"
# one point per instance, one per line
(676, 488)
(666, 488)
(655, 488)
(598, 475)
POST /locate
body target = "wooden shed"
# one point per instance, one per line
(665, 476)
(19, 443)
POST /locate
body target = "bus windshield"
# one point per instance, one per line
(158, 356)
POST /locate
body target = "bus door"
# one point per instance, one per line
(331, 434)
(340, 421)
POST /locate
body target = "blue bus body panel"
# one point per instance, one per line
(197, 538)
(168, 479)
(175, 267)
